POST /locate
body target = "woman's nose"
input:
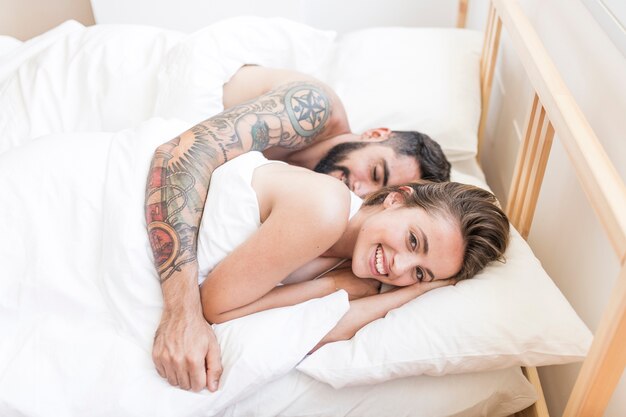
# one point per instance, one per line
(402, 263)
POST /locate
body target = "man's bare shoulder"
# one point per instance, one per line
(252, 81)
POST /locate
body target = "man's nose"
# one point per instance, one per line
(362, 188)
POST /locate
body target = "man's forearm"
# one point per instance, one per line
(291, 116)
(173, 191)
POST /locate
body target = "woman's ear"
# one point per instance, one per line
(396, 198)
(407, 189)
(393, 199)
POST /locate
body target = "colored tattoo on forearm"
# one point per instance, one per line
(175, 183)
(260, 135)
(291, 117)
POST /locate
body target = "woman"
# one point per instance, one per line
(418, 237)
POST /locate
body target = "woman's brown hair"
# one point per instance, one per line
(484, 226)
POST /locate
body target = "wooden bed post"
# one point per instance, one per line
(606, 360)
(462, 17)
(487, 68)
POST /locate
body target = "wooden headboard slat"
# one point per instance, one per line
(529, 169)
(599, 179)
(487, 70)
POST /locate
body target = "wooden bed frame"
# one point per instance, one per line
(554, 111)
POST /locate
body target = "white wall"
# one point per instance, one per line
(339, 15)
(595, 72)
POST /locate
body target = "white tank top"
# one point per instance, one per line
(231, 212)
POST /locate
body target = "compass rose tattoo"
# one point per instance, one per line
(307, 109)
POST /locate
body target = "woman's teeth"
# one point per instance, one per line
(379, 260)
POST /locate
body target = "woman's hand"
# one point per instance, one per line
(367, 309)
(356, 287)
(420, 288)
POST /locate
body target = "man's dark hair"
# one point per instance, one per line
(433, 163)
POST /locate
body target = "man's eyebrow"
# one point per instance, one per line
(385, 173)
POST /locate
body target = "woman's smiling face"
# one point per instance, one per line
(403, 245)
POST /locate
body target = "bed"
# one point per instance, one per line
(79, 298)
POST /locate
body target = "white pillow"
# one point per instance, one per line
(509, 314)
(412, 79)
(191, 81)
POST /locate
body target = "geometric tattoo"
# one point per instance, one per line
(308, 110)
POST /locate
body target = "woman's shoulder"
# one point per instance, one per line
(313, 196)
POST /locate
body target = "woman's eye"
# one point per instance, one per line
(413, 241)
(419, 274)
(374, 175)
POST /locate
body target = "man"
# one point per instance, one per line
(290, 117)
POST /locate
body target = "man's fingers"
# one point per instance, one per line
(160, 369)
(197, 376)
(183, 379)
(181, 373)
(156, 358)
(214, 368)
(170, 374)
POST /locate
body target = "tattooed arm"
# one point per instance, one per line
(291, 116)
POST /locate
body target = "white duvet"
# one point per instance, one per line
(80, 298)
(111, 77)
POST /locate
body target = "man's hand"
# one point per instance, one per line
(186, 352)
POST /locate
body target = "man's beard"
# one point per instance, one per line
(335, 156)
